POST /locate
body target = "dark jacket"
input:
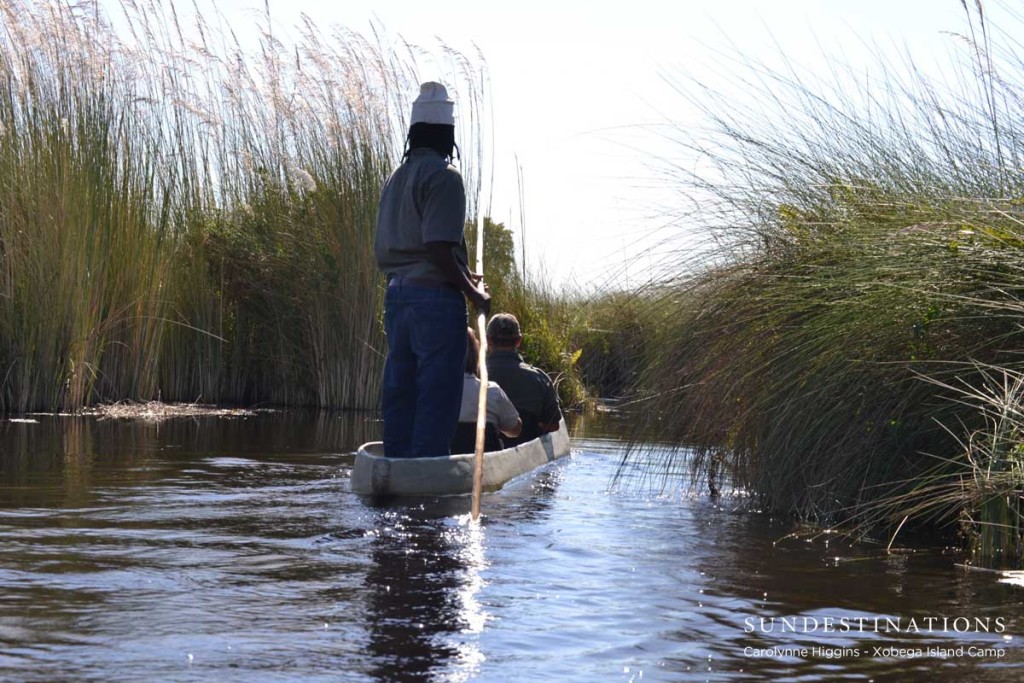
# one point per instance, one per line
(530, 390)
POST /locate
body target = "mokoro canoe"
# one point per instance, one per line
(376, 474)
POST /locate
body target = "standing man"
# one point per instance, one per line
(529, 388)
(420, 246)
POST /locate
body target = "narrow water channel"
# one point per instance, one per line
(231, 549)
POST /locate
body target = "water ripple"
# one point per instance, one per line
(196, 553)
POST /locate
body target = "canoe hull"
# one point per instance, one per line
(377, 475)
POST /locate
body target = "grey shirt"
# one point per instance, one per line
(423, 201)
(500, 411)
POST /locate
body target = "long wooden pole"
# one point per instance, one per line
(481, 419)
(481, 408)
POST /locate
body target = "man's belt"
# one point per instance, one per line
(426, 283)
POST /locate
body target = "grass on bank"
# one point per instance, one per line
(869, 277)
(183, 220)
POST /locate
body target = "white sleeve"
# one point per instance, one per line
(503, 413)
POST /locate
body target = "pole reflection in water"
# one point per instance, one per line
(423, 611)
(429, 569)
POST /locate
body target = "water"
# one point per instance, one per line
(231, 550)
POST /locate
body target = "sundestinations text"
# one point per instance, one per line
(883, 652)
(873, 625)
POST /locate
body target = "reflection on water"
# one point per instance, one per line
(423, 584)
(232, 550)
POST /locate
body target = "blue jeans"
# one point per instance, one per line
(422, 392)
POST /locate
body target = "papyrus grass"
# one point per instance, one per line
(185, 220)
(869, 234)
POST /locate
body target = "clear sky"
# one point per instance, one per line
(580, 98)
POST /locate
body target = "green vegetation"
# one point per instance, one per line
(590, 344)
(549, 319)
(181, 219)
(851, 352)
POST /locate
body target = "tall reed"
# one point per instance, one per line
(84, 254)
(978, 489)
(869, 233)
(182, 219)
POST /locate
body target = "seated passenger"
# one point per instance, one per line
(502, 418)
(529, 388)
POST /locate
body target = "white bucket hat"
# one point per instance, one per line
(433, 106)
